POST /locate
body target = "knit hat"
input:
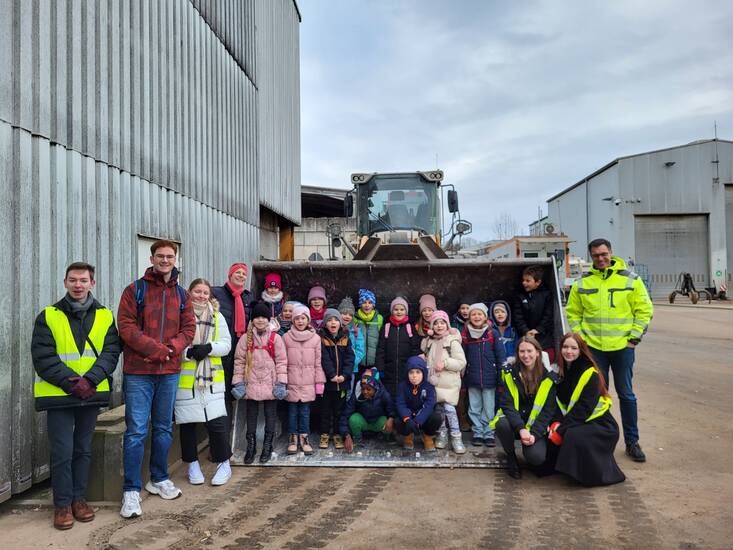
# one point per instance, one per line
(293, 303)
(427, 300)
(366, 294)
(316, 292)
(330, 314)
(273, 280)
(439, 314)
(369, 378)
(465, 300)
(399, 301)
(347, 306)
(481, 307)
(238, 265)
(300, 309)
(499, 305)
(261, 310)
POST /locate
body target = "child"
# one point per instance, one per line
(337, 360)
(285, 319)
(426, 306)
(397, 342)
(369, 409)
(260, 375)
(485, 357)
(461, 316)
(416, 406)
(273, 294)
(501, 317)
(305, 378)
(371, 323)
(317, 305)
(446, 363)
(533, 310)
(356, 335)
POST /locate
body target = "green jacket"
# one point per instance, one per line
(370, 328)
(608, 308)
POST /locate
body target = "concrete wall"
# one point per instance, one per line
(311, 237)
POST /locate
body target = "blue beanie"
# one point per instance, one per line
(366, 294)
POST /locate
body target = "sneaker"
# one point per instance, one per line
(441, 441)
(490, 441)
(165, 489)
(195, 475)
(635, 452)
(456, 442)
(131, 505)
(223, 474)
(324, 441)
(338, 442)
(476, 441)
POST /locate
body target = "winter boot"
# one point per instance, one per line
(456, 442)
(408, 442)
(249, 455)
(293, 444)
(441, 442)
(338, 441)
(513, 466)
(305, 445)
(324, 441)
(267, 448)
(428, 442)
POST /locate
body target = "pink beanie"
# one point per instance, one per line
(399, 301)
(301, 310)
(237, 266)
(427, 300)
(439, 315)
(273, 279)
(317, 292)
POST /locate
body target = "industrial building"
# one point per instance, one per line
(126, 121)
(669, 210)
(323, 215)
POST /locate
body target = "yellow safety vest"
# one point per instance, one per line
(604, 403)
(67, 351)
(188, 367)
(539, 400)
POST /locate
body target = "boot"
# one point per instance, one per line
(428, 442)
(409, 442)
(456, 442)
(338, 441)
(249, 455)
(513, 466)
(293, 444)
(82, 511)
(463, 419)
(63, 518)
(305, 445)
(267, 448)
(441, 442)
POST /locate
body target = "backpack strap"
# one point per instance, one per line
(409, 330)
(386, 330)
(181, 296)
(140, 288)
(271, 345)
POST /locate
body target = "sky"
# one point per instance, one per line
(518, 100)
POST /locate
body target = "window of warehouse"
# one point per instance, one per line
(143, 253)
(531, 254)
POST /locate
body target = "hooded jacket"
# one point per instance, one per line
(163, 322)
(509, 338)
(266, 369)
(393, 350)
(484, 358)
(371, 409)
(448, 381)
(337, 359)
(416, 402)
(371, 327)
(303, 349)
(534, 310)
(356, 336)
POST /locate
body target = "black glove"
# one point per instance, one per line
(200, 351)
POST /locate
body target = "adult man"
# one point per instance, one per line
(75, 348)
(156, 324)
(610, 308)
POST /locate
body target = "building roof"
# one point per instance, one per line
(615, 161)
(322, 202)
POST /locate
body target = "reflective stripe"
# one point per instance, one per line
(188, 368)
(537, 406)
(604, 403)
(602, 332)
(609, 320)
(587, 290)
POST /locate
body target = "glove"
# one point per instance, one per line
(319, 389)
(160, 355)
(189, 353)
(200, 351)
(82, 388)
(280, 391)
(239, 391)
(552, 434)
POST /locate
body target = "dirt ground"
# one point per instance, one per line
(681, 497)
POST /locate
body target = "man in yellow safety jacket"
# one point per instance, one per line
(75, 348)
(610, 308)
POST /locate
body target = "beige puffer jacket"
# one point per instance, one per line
(448, 381)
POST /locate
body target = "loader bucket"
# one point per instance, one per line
(449, 281)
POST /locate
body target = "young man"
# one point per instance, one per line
(75, 348)
(156, 323)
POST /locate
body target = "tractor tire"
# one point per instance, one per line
(694, 297)
(671, 297)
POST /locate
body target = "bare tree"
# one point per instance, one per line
(505, 226)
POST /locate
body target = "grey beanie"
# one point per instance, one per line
(481, 307)
(347, 306)
(330, 312)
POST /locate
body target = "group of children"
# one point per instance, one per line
(366, 374)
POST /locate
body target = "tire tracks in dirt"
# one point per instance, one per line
(505, 515)
(635, 526)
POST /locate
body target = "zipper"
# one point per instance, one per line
(162, 324)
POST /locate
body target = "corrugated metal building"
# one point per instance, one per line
(127, 120)
(670, 210)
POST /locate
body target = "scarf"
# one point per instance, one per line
(422, 327)
(240, 320)
(266, 297)
(317, 315)
(476, 333)
(366, 317)
(204, 322)
(398, 322)
(285, 324)
(78, 308)
(440, 342)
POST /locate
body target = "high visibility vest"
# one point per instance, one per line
(68, 352)
(604, 403)
(539, 400)
(188, 366)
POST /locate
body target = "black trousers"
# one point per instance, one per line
(430, 427)
(534, 454)
(70, 432)
(253, 413)
(331, 405)
(218, 430)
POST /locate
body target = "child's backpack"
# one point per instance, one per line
(141, 286)
(387, 326)
(270, 346)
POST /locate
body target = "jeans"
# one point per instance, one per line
(481, 411)
(621, 362)
(299, 417)
(70, 432)
(451, 419)
(148, 398)
(218, 430)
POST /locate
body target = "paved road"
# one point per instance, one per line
(679, 499)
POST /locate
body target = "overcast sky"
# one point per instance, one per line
(518, 99)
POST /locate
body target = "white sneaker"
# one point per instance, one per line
(165, 489)
(223, 473)
(131, 505)
(195, 475)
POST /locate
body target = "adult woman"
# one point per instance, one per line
(200, 395)
(528, 405)
(587, 429)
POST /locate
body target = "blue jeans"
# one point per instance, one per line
(481, 411)
(621, 363)
(299, 418)
(148, 398)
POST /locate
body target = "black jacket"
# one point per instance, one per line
(371, 409)
(535, 310)
(588, 398)
(393, 351)
(518, 418)
(226, 307)
(49, 366)
(337, 359)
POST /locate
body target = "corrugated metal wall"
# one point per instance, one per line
(120, 118)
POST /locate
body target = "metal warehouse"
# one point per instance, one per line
(123, 121)
(670, 210)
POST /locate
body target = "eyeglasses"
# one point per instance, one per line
(162, 257)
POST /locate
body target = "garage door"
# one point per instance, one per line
(670, 245)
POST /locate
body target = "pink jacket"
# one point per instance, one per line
(304, 364)
(266, 370)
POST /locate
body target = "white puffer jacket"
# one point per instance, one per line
(448, 381)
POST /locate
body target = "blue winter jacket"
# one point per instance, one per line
(416, 402)
(371, 409)
(485, 357)
(358, 342)
(509, 338)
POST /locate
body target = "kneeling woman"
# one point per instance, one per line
(527, 400)
(588, 432)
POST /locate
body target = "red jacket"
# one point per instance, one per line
(163, 322)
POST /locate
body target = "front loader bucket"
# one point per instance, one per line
(449, 281)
